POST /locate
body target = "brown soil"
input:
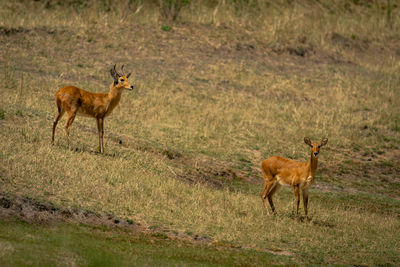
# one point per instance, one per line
(36, 212)
(33, 211)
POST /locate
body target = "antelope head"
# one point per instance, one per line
(120, 79)
(315, 147)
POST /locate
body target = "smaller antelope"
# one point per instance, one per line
(75, 101)
(281, 171)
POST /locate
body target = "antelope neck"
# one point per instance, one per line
(114, 96)
(114, 92)
(313, 164)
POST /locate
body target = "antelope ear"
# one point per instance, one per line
(324, 141)
(307, 141)
(129, 74)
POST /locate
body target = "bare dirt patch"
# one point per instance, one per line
(34, 211)
(9, 31)
(39, 212)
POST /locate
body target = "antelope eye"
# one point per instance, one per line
(122, 80)
(319, 146)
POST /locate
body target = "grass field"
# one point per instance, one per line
(66, 244)
(227, 85)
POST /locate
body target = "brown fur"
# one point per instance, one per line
(279, 171)
(74, 100)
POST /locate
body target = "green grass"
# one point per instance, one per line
(214, 97)
(67, 244)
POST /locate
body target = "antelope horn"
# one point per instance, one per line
(116, 72)
(123, 74)
(120, 74)
(113, 73)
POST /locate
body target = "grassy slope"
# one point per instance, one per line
(64, 244)
(222, 92)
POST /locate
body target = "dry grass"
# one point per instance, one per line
(218, 86)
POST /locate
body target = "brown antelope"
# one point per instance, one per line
(75, 101)
(281, 171)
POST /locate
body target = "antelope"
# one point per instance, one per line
(74, 100)
(279, 171)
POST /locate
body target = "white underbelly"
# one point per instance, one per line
(281, 181)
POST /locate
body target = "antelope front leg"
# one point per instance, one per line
(59, 115)
(101, 133)
(305, 200)
(71, 117)
(297, 197)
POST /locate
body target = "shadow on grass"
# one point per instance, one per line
(305, 219)
(85, 150)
